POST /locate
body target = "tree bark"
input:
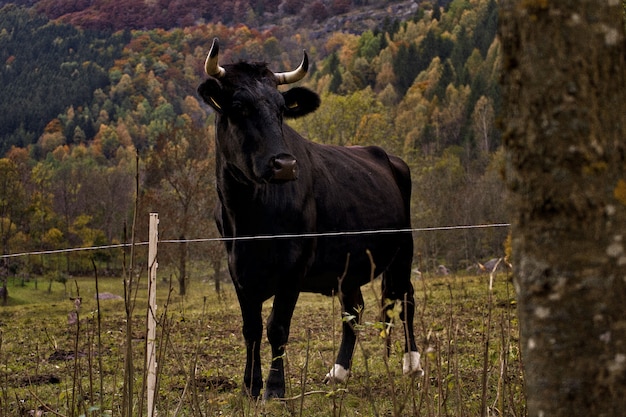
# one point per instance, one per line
(564, 120)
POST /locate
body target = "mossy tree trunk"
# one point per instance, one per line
(564, 115)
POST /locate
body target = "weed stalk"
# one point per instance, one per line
(4, 409)
(77, 302)
(304, 371)
(127, 390)
(99, 334)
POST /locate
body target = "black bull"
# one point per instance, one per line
(271, 181)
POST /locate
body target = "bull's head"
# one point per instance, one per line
(249, 127)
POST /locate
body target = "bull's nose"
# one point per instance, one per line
(284, 168)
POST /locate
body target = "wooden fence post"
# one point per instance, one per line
(151, 337)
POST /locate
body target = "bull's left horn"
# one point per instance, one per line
(295, 75)
(211, 65)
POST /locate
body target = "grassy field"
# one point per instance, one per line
(61, 357)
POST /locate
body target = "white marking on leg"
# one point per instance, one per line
(411, 364)
(337, 374)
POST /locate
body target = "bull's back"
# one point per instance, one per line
(362, 194)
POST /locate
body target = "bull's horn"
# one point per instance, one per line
(295, 75)
(211, 65)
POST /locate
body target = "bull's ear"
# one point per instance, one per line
(211, 92)
(300, 101)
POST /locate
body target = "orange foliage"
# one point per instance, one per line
(53, 126)
(18, 155)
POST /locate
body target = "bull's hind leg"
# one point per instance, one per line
(352, 307)
(397, 287)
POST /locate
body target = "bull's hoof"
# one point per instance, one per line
(411, 364)
(337, 375)
(273, 394)
(252, 392)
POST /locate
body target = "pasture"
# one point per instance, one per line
(59, 357)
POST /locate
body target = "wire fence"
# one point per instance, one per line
(260, 237)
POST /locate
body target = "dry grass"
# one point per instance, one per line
(49, 362)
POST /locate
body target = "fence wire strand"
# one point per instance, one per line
(261, 237)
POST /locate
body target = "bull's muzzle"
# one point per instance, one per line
(284, 168)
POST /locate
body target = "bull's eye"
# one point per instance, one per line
(238, 108)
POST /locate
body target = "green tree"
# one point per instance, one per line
(460, 53)
(406, 66)
(486, 27)
(370, 45)
(339, 117)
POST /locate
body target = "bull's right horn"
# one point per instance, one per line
(211, 65)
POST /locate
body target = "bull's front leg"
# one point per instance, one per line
(278, 325)
(252, 332)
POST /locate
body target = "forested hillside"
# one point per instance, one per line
(168, 14)
(80, 101)
(46, 67)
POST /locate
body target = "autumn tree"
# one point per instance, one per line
(12, 205)
(180, 187)
(43, 218)
(483, 123)
(438, 183)
(564, 89)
